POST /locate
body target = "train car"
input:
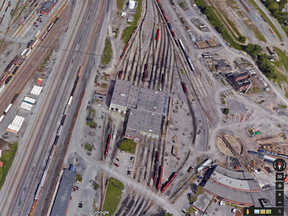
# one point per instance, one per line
(166, 19)
(17, 61)
(21, 61)
(37, 34)
(163, 79)
(34, 43)
(160, 178)
(157, 35)
(50, 27)
(173, 33)
(11, 68)
(59, 130)
(190, 64)
(4, 78)
(120, 74)
(177, 42)
(184, 87)
(107, 146)
(8, 79)
(24, 52)
(28, 53)
(181, 44)
(56, 20)
(145, 74)
(165, 186)
(44, 36)
(20, 23)
(15, 70)
(169, 25)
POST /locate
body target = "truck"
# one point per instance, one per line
(174, 150)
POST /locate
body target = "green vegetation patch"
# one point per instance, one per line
(91, 123)
(46, 59)
(113, 195)
(88, 147)
(216, 23)
(283, 59)
(232, 4)
(199, 190)
(78, 178)
(192, 198)
(128, 30)
(103, 85)
(7, 159)
(282, 106)
(266, 18)
(191, 210)
(116, 32)
(107, 52)
(128, 145)
(120, 4)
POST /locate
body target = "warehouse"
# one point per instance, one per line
(47, 7)
(126, 96)
(143, 122)
(64, 192)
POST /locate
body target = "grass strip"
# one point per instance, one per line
(267, 19)
(113, 195)
(128, 30)
(7, 159)
(107, 52)
(120, 4)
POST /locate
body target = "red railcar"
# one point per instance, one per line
(165, 186)
(107, 146)
(157, 35)
(4, 78)
(184, 87)
(120, 74)
(173, 33)
(20, 23)
(166, 18)
(160, 178)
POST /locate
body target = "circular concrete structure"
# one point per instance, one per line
(235, 144)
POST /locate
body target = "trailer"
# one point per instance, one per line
(34, 43)
(21, 61)
(272, 32)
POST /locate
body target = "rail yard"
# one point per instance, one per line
(141, 107)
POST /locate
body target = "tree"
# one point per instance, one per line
(192, 198)
(199, 190)
(128, 145)
(242, 39)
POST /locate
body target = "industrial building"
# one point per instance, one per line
(146, 108)
(238, 187)
(143, 122)
(47, 7)
(221, 65)
(238, 81)
(126, 96)
(62, 199)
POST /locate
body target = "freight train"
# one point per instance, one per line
(145, 73)
(160, 178)
(107, 145)
(166, 185)
(43, 178)
(128, 43)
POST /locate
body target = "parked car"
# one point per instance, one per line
(80, 205)
(116, 165)
(128, 172)
(117, 159)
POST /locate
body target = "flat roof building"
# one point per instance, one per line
(64, 192)
(126, 96)
(143, 122)
(47, 7)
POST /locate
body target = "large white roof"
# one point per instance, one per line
(131, 4)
